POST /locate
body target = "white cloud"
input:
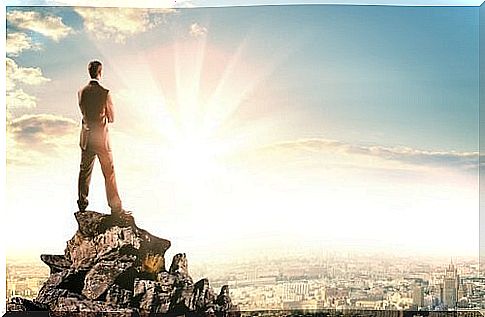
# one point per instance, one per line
(32, 139)
(197, 30)
(48, 25)
(118, 24)
(18, 42)
(26, 75)
(19, 99)
(406, 155)
(129, 3)
(30, 129)
(15, 75)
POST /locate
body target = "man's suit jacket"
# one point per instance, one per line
(96, 108)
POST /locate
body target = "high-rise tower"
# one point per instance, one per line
(451, 284)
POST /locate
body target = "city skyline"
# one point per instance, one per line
(324, 281)
(254, 127)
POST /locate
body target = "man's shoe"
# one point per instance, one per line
(122, 214)
(82, 205)
(120, 211)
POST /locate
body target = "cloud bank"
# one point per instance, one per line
(48, 25)
(406, 155)
(36, 139)
(118, 24)
(17, 75)
(18, 42)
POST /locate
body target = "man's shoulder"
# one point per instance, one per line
(102, 87)
(91, 87)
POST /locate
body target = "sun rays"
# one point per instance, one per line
(186, 96)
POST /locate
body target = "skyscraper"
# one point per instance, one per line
(418, 296)
(451, 285)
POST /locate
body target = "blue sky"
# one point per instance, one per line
(217, 3)
(392, 75)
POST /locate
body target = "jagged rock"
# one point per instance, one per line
(111, 265)
(114, 242)
(103, 275)
(223, 300)
(203, 296)
(91, 223)
(151, 244)
(179, 265)
(181, 301)
(167, 288)
(101, 236)
(224, 306)
(49, 297)
(72, 304)
(118, 296)
(56, 263)
(81, 251)
(152, 296)
(167, 282)
(58, 285)
(22, 304)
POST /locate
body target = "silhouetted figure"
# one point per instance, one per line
(97, 111)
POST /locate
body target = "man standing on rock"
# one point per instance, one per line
(97, 111)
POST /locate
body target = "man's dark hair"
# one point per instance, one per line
(93, 68)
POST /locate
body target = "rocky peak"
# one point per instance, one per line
(111, 265)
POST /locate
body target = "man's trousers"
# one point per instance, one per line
(105, 158)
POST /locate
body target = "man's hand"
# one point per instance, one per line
(109, 109)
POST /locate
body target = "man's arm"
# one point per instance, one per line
(110, 109)
(79, 99)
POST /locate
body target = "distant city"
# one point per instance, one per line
(327, 281)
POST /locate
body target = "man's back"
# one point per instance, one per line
(92, 102)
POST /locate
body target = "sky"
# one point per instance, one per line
(242, 131)
(226, 3)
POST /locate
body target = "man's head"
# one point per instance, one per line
(94, 69)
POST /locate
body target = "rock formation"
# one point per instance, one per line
(111, 265)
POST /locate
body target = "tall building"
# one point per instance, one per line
(295, 291)
(418, 296)
(451, 284)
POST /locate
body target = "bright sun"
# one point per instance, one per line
(192, 97)
(192, 159)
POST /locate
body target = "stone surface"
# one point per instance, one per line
(182, 297)
(179, 265)
(58, 285)
(114, 242)
(56, 263)
(182, 301)
(203, 296)
(105, 236)
(223, 300)
(91, 223)
(103, 275)
(224, 306)
(73, 304)
(167, 282)
(146, 292)
(119, 296)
